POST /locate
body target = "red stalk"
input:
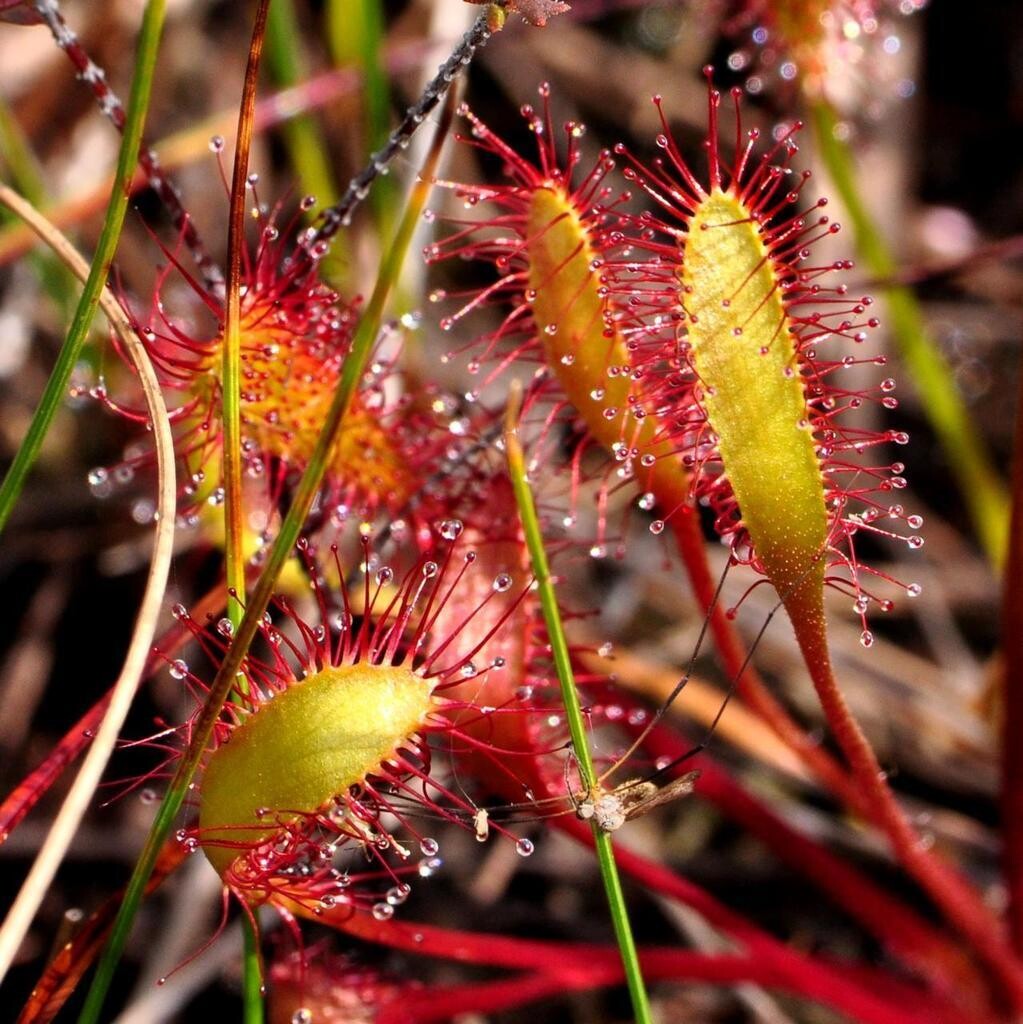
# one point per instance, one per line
(585, 965)
(1012, 724)
(442, 1004)
(692, 547)
(231, 373)
(957, 900)
(62, 974)
(871, 796)
(32, 788)
(828, 983)
(914, 940)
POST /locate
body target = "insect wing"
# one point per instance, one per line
(674, 790)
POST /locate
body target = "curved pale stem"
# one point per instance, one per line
(77, 801)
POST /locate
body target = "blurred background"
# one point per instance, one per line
(930, 103)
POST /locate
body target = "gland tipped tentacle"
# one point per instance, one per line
(608, 291)
(296, 332)
(732, 338)
(302, 749)
(742, 349)
(554, 256)
(330, 744)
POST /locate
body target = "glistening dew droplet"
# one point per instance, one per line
(750, 398)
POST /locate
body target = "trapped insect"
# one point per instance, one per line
(613, 808)
(431, 621)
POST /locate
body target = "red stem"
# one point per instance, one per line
(62, 974)
(831, 984)
(693, 549)
(957, 900)
(1012, 723)
(442, 1004)
(586, 965)
(231, 338)
(867, 792)
(913, 939)
(424, 1006)
(36, 784)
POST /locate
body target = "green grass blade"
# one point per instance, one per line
(253, 994)
(355, 35)
(18, 160)
(980, 485)
(17, 157)
(56, 386)
(231, 377)
(573, 710)
(302, 137)
(259, 599)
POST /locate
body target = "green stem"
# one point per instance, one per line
(355, 35)
(252, 973)
(573, 709)
(302, 137)
(234, 499)
(230, 382)
(980, 485)
(17, 156)
(362, 344)
(56, 386)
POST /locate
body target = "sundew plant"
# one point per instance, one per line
(507, 512)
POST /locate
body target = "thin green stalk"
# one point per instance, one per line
(355, 35)
(17, 157)
(259, 599)
(230, 381)
(573, 710)
(56, 386)
(253, 990)
(234, 533)
(302, 136)
(980, 485)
